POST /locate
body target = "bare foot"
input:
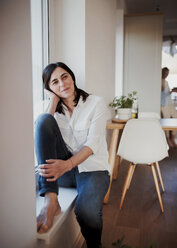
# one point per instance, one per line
(50, 209)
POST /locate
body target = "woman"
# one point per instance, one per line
(167, 106)
(71, 151)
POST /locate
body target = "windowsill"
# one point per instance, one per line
(66, 199)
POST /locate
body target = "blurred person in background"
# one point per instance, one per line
(167, 106)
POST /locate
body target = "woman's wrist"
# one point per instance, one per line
(70, 164)
(52, 104)
(71, 161)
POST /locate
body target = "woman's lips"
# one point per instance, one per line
(65, 90)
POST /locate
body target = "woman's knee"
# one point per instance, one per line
(45, 122)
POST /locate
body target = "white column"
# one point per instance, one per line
(142, 67)
(100, 48)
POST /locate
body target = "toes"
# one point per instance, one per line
(39, 224)
(45, 218)
(43, 229)
(39, 221)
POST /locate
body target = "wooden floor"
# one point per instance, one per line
(140, 221)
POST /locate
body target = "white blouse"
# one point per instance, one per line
(86, 127)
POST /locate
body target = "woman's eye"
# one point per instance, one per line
(54, 82)
(64, 77)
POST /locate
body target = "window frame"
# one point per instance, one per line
(40, 57)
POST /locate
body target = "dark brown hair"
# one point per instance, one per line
(164, 70)
(46, 78)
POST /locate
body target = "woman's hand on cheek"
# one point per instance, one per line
(51, 95)
(54, 168)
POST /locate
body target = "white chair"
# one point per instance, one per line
(143, 142)
(152, 115)
(148, 115)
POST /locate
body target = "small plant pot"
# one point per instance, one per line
(124, 113)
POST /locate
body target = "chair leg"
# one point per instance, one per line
(126, 184)
(157, 187)
(132, 172)
(160, 176)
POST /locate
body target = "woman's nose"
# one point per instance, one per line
(61, 82)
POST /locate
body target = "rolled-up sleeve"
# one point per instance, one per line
(97, 127)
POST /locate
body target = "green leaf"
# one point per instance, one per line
(123, 101)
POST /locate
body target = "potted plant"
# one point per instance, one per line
(123, 106)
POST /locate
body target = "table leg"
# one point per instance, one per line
(112, 158)
(116, 167)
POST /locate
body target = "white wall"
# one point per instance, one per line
(17, 183)
(82, 34)
(67, 35)
(142, 64)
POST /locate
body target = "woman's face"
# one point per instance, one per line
(165, 74)
(61, 83)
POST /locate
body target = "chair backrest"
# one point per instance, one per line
(143, 141)
(148, 115)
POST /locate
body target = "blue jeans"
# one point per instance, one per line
(91, 186)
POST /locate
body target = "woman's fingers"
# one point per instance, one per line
(44, 175)
(51, 94)
(48, 93)
(46, 166)
(43, 166)
(51, 161)
(52, 170)
(44, 171)
(51, 179)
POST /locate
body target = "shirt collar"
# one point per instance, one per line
(80, 102)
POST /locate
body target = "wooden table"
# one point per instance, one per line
(169, 124)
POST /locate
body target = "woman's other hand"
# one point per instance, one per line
(53, 102)
(54, 169)
(50, 95)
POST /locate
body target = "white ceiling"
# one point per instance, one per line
(168, 7)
